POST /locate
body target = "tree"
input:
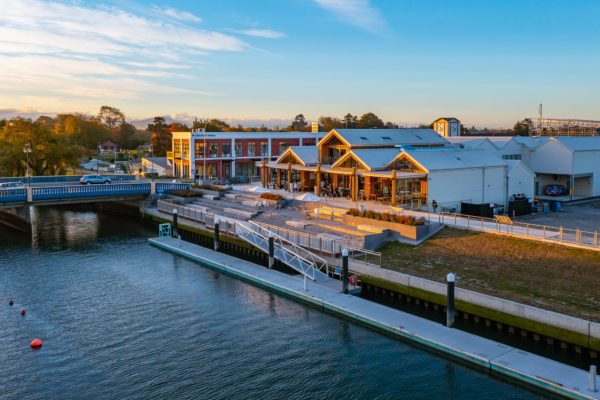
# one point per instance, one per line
(111, 116)
(350, 121)
(161, 136)
(523, 127)
(329, 123)
(51, 153)
(299, 123)
(82, 130)
(211, 125)
(369, 121)
(391, 125)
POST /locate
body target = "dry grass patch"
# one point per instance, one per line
(553, 277)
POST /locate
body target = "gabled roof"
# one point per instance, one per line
(452, 158)
(511, 164)
(372, 159)
(390, 137)
(579, 143)
(447, 119)
(530, 142)
(306, 155)
(470, 142)
(160, 161)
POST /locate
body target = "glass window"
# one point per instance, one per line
(282, 147)
(199, 149)
(226, 150)
(238, 149)
(251, 149)
(213, 151)
(264, 149)
(177, 148)
(186, 149)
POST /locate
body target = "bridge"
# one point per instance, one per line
(54, 190)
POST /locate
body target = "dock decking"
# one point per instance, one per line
(497, 358)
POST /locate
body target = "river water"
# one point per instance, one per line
(123, 320)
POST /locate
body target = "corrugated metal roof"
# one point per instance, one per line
(376, 158)
(452, 158)
(391, 137)
(308, 154)
(579, 143)
(530, 141)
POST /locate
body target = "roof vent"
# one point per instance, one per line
(387, 138)
(364, 138)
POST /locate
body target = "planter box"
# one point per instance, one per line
(406, 231)
(211, 192)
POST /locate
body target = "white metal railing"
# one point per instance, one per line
(532, 231)
(313, 241)
(365, 256)
(289, 253)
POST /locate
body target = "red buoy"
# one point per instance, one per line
(23, 312)
(36, 343)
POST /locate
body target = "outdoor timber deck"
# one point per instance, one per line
(494, 357)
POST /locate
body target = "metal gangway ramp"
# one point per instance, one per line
(296, 257)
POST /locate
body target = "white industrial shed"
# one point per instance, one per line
(573, 162)
(455, 176)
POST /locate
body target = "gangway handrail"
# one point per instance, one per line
(298, 248)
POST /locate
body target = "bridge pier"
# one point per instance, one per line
(18, 218)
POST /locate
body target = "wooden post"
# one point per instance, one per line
(264, 173)
(394, 183)
(290, 177)
(318, 180)
(354, 184)
(278, 178)
(335, 181)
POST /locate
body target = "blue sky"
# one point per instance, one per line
(488, 63)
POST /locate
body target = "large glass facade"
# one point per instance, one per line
(251, 149)
(226, 150)
(238, 149)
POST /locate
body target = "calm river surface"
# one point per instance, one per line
(123, 320)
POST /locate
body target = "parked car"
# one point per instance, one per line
(94, 179)
(555, 190)
(11, 185)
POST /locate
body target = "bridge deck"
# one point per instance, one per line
(497, 358)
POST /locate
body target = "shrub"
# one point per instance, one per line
(399, 219)
(214, 188)
(355, 212)
(186, 193)
(271, 196)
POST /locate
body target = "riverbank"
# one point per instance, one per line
(494, 357)
(552, 277)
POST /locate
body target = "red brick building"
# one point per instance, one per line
(228, 154)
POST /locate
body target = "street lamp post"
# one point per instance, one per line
(27, 151)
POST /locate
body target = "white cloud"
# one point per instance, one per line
(178, 14)
(64, 50)
(261, 33)
(359, 13)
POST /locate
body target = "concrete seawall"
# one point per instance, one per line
(494, 357)
(577, 331)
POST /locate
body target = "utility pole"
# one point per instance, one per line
(27, 151)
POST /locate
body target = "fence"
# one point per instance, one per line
(365, 256)
(62, 178)
(196, 215)
(74, 191)
(13, 195)
(313, 241)
(531, 231)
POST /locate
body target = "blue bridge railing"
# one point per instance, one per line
(77, 192)
(63, 178)
(13, 195)
(87, 191)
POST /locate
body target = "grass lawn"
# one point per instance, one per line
(554, 277)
